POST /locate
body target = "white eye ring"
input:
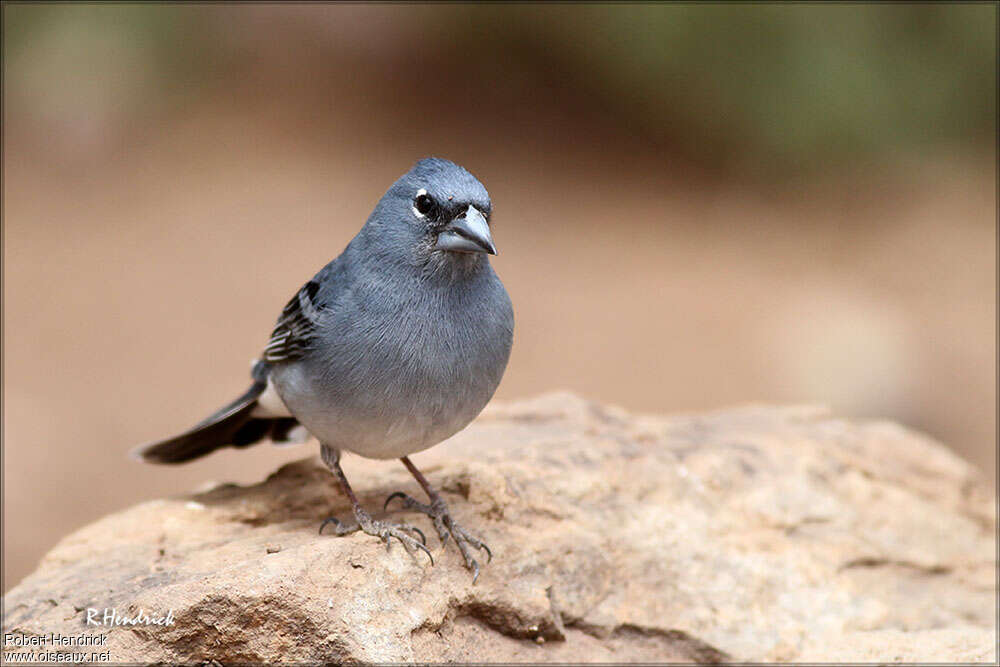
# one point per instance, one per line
(421, 191)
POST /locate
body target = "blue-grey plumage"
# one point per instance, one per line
(393, 346)
(407, 341)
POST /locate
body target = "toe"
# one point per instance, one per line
(409, 502)
(328, 521)
(414, 529)
(393, 496)
(425, 550)
(339, 528)
(408, 543)
(442, 531)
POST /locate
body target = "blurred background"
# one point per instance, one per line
(696, 207)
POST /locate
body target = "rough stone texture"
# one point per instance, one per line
(757, 533)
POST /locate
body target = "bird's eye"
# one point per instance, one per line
(424, 203)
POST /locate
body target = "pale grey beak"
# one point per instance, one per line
(468, 232)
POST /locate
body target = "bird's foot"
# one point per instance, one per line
(437, 510)
(381, 529)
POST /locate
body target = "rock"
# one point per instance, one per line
(758, 533)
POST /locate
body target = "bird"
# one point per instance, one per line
(392, 347)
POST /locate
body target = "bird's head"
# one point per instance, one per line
(439, 213)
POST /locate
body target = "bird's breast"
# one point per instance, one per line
(401, 375)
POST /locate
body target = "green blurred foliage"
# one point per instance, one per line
(177, 38)
(96, 69)
(773, 88)
(778, 87)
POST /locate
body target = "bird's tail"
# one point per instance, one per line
(230, 426)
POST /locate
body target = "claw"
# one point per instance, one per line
(393, 496)
(489, 555)
(406, 526)
(426, 551)
(475, 572)
(335, 521)
(407, 545)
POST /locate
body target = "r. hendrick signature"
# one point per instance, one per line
(111, 616)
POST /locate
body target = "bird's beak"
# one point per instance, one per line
(467, 232)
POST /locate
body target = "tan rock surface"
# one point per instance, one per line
(757, 533)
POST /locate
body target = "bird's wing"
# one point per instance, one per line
(296, 326)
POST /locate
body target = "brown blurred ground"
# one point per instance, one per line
(144, 266)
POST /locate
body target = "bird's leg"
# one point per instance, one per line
(437, 510)
(362, 520)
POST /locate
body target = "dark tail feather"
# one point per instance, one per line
(231, 426)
